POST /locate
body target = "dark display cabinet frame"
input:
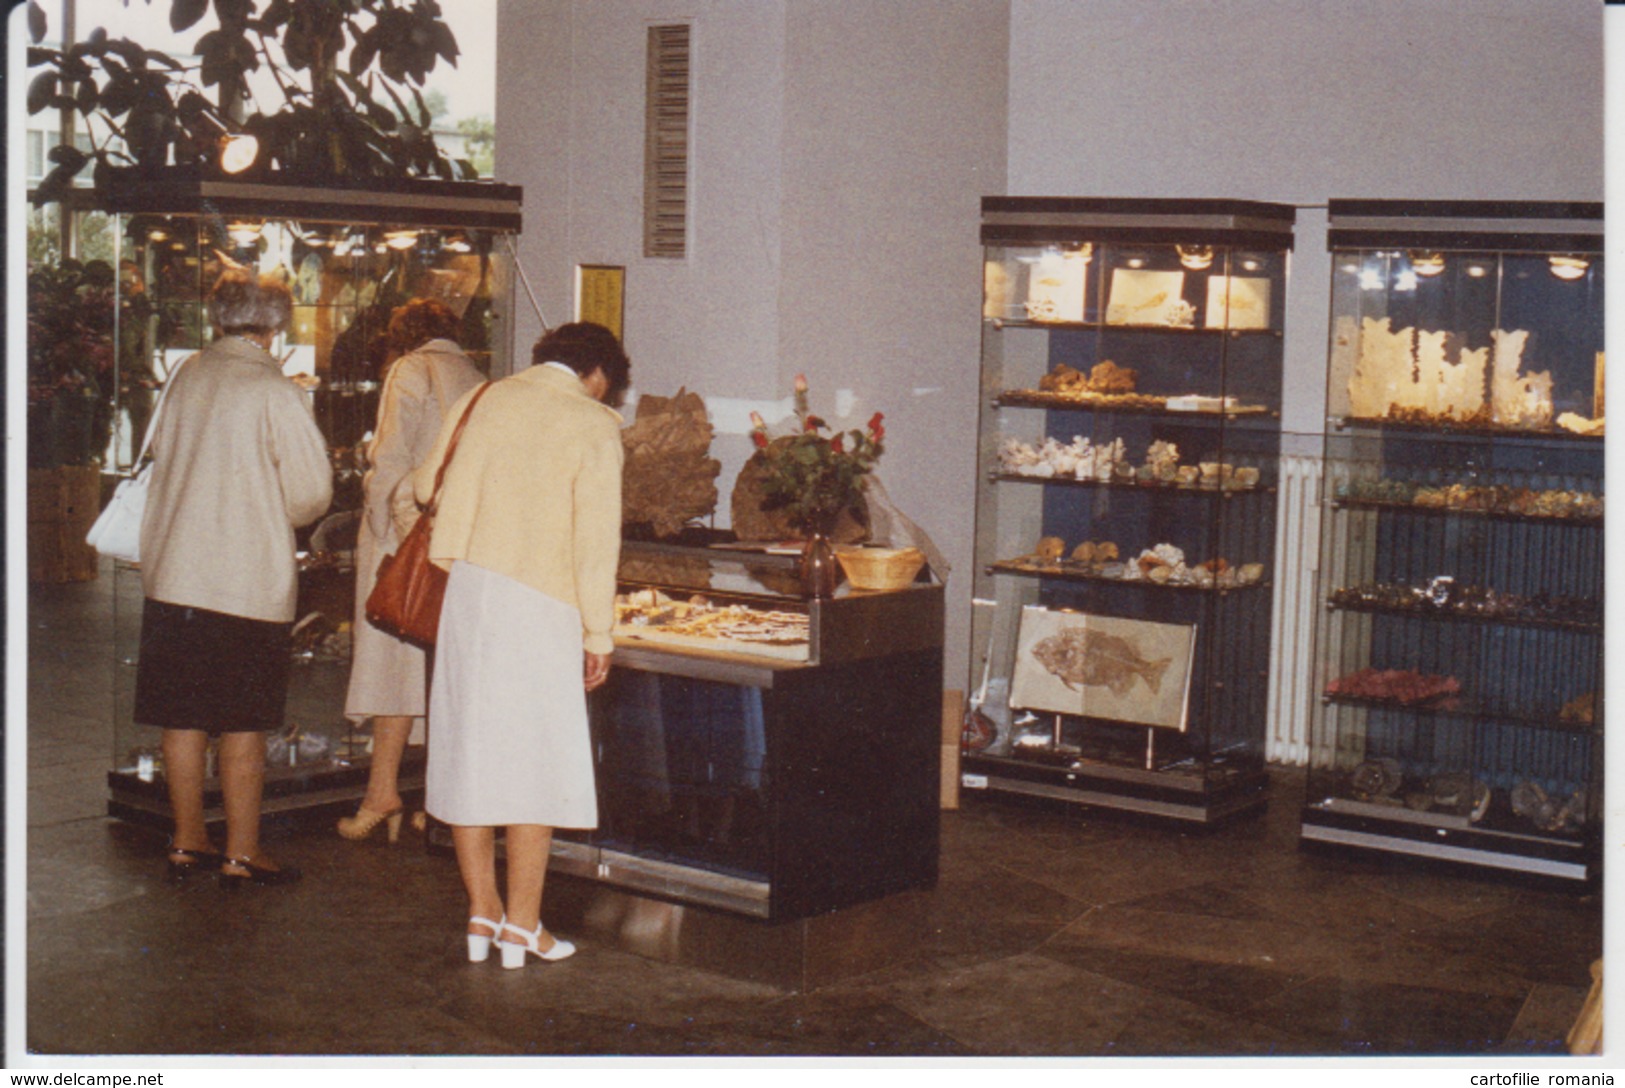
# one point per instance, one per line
(1460, 650)
(352, 252)
(1131, 383)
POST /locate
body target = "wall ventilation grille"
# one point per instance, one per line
(665, 149)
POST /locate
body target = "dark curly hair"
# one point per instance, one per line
(585, 347)
(419, 321)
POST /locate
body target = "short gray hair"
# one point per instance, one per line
(245, 302)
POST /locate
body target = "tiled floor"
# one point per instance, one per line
(1052, 933)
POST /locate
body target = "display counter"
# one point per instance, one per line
(789, 777)
(735, 775)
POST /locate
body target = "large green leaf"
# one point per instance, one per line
(54, 186)
(445, 43)
(275, 15)
(68, 157)
(119, 94)
(192, 103)
(134, 55)
(365, 49)
(233, 13)
(41, 89)
(185, 14)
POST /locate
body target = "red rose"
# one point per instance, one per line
(876, 426)
(814, 423)
(760, 438)
(835, 445)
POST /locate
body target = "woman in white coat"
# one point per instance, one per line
(238, 464)
(387, 675)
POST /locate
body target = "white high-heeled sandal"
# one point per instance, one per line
(479, 944)
(513, 952)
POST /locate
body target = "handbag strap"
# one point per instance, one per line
(451, 447)
(152, 420)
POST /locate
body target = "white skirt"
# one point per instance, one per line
(508, 736)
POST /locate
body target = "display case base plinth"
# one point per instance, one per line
(329, 791)
(1160, 795)
(1548, 860)
(800, 955)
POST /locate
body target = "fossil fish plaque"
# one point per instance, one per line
(1103, 667)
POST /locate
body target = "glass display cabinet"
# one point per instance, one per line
(1460, 652)
(1125, 512)
(350, 255)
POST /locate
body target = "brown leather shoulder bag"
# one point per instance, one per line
(405, 601)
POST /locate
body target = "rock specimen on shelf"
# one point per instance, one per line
(1105, 377)
(1407, 370)
(1405, 686)
(1376, 779)
(1076, 460)
(1578, 424)
(670, 476)
(1518, 400)
(1408, 375)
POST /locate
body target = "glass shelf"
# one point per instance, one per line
(1419, 510)
(1457, 614)
(1466, 710)
(1160, 487)
(1011, 567)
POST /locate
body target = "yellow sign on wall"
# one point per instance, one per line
(601, 296)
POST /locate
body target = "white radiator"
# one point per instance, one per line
(1297, 561)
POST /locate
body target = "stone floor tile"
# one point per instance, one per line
(1363, 1018)
(1544, 1021)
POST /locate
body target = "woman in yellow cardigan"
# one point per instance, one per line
(529, 529)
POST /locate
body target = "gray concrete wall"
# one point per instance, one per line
(1299, 101)
(840, 147)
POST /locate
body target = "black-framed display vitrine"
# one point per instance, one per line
(350, 253)
(1460, 649)
(1128, 443)
(758, 752)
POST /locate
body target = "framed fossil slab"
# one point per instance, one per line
(1144, 297)
(1238, 302)
(1107, 667)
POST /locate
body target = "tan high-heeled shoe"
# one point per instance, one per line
(365, 820)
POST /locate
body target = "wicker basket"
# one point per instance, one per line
(880, 568)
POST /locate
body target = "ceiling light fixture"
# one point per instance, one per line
(244, 233)
(1568, 268)
(1195, 257)
(1427, 264)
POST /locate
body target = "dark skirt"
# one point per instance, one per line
(206, 670)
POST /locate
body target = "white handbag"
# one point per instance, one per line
(117, 531)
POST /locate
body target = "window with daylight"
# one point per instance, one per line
(665, 147)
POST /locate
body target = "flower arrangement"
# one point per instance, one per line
(812, 476)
